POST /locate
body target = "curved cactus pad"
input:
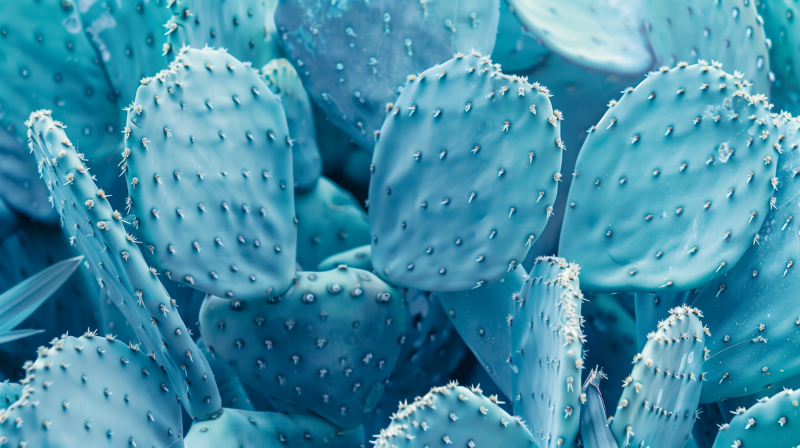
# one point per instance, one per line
(465, 174)
(358, 257)
(547, 352)
(784, 50)
(209, 167)
(93, 391)
(248, 429)
(454, 415)
(283, 81)
(112, 254)
(728, 31)
(660, 396)
(752, 310)
(660, 199)
(481, 316)
(769, 423)
(354, 56)
(605, 35)
(327, 344)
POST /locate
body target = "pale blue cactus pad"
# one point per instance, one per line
(661, 394)
(770, 422)
(248, 429)
(672, 184)
(328, 344)
(239, 26)
(209, 168)
(604, 35)
(728, 31)
(481, 316)
(547, 352)
(99, 233)
(93, 391)
(329, 221)
(128, 38)
(353, 57)
(464, 176)
(454, 415)
(749, 355)
(10, 393)
(282, 79)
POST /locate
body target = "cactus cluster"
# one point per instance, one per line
(304, 223)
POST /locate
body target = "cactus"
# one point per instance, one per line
(751, 341)
(268, 429)
(492, 163)
(784, 50)
(602, 36)
(92, 391)
(10, 393)
(661, 394)
(547, 352)
(231, 391)
(358, 257)
(516, 48)
(454, 415)
(329, 221)
(481, 317)
(211, 118)
(20, 188)
(595, 432)
(728, 31)
(706, 427)
(382, 41)
(99, 233)
(282, 79)
(659, 177)
(328, 344)
(772, 422)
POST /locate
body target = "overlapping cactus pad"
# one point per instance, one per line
(303, 223)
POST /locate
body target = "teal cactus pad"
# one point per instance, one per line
(112, 254)
(10, 393)
(353, 57)
(480, 316)
(728, 31)
(464, 178)
(661, 161)
(454, 415)
(93, 391)
(328, 344)
(729, 406)
(595, 431)
(784, 50)
(748, 355)
(772, 422)
(20, 187)
(610, 331)
(248, 429)
(210, 176)
(231, 389)
(516, 48)
(358, 257)
(604, 36)
(547, 352)
(661, 394)
(239, 26)
(282, 79)
(329, 221)
(128, 37)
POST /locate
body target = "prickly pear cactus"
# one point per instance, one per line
(603, 35)
(660, 161)
(728, 31)
(784, 50)
(328, 344)
(231, 390)
(20, 188)
(329, 221)
(358, 257)
(463, 207)
(481, 316)
(752, 343)
(706, 426)
(100, 235)
(249, 429)
(547, 352)
(282, 79)
(454, 415)
(10, 393)
(516, 47)
(208, 164)
(93, 391)
(661, 394)
(772, 422)
(128, 38)
(336, 47)
(238, 26)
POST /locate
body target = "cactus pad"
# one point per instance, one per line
(771, 422)
(358, 257)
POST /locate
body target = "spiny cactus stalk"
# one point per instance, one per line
(328, 214)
